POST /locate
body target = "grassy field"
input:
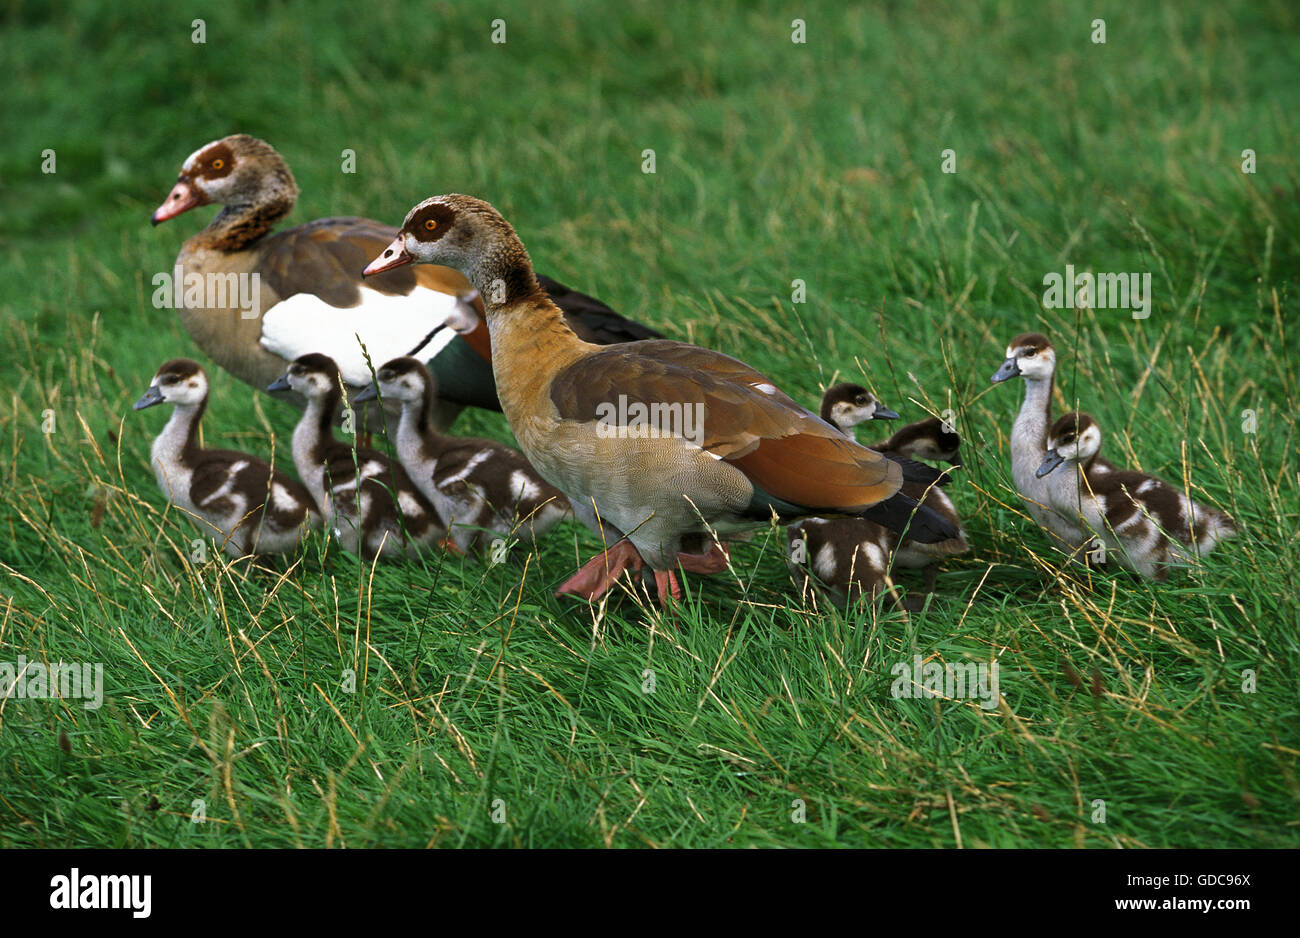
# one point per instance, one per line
(486, 712)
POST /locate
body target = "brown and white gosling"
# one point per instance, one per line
(1032, 357)
(365, 497)
(482, 489)
(1145, 523)
(236, 498)
(851, 556)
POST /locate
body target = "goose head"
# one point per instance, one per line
(1029, 356)
(237, 171)
(180, 381)
(847, 405)
(1074, 438)
(314, 376)
(468, 234)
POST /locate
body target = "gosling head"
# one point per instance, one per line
(403, 379)
(1074, 438)
(180, 381)
(314, 376)
(847, 405)
(1029, 356)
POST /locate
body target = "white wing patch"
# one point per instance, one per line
(874, 554)
(388, 325)
(228, 486)
(474, 462)
(410, 507)
(523, 487)
(282, 499)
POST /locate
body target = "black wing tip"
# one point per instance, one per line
(914, 471)
(903, 513)
(602, 323)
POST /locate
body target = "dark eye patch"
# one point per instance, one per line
(431, 222)
(217, 162)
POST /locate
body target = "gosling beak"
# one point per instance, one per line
(395, 255)
(1050, 462)
(884, 413)
(280, 384)
(368, 393)
(183, 198)
(1010, 369)
(151, 397)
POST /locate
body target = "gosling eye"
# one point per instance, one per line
(1031, 353)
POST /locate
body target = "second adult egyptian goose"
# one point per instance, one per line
(309, 295)
(669, 444)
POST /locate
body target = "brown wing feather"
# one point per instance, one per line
(818, 472)
(783, 448)
(325, 258)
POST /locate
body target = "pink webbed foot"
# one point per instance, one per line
(667, 586)
(715, 561)
(598, 574)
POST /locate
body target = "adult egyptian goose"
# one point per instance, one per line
(236, 498)
(668, 444)
(365, 497)
(1031, 356)
(303, 291)
(1143, 522)
(482, 489)
(851, 556)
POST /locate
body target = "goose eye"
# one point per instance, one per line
(430, 224)
(218, 163)
(1031, 353)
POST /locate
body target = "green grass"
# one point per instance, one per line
(775, 162)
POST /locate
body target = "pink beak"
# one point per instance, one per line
(395, 255)
(183, 198)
